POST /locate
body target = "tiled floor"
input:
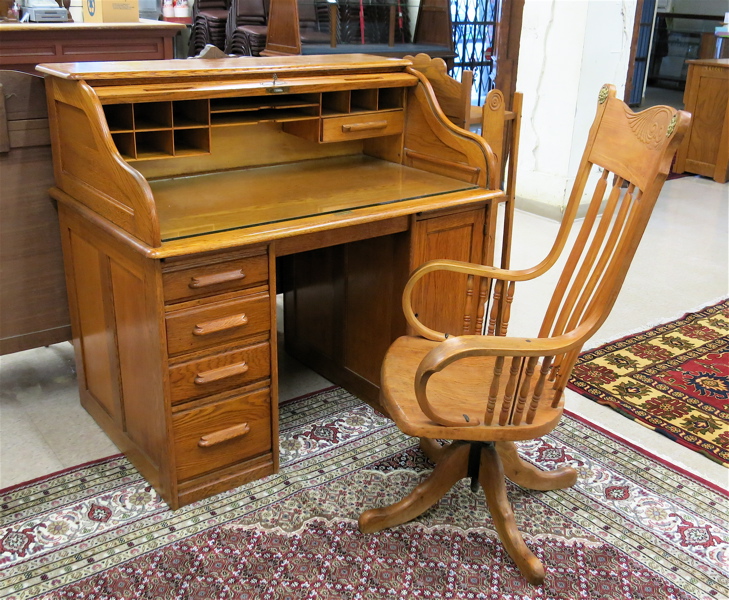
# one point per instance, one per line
(681, 265)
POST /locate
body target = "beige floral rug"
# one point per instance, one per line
(631, 527)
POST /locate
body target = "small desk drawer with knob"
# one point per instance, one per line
(216, 435)
(361, 126)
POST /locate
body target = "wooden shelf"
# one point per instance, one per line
(153, 130)
(261, 116)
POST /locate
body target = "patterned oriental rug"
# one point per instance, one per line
(630, 528)
(673, 378)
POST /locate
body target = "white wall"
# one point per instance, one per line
(569, 49)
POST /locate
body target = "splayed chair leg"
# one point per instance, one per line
(491, 478)
(530, 477)
(451, 467)
(432, 449)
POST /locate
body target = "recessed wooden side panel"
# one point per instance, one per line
(442, 300)
(343, 309)
(96, 322)
(33, 307)
(88, 166)
(311, 315)
(138, 342)
(710, 110)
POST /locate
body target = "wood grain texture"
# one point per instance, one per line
(80, 137)
(206, 280)
(213, 202)
(459, 237)
(219, 322)
(200, 423)
(454, 97)
(219, 372)
(33, 304)
(213, 69)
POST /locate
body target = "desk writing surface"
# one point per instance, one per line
(214, 202)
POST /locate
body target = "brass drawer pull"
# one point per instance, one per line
(364, 126)
(223, 435)
(222, 373)
(216, 278)
(219, 325)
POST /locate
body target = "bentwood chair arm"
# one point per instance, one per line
(467, 269)
(457, 348)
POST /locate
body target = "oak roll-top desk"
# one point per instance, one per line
(190, 191)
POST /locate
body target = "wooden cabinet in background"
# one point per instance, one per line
(705, 149)
(24, 45)
(33, 306)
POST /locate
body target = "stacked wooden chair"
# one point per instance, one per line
(486, 392)
(209, 19)
(247, 27)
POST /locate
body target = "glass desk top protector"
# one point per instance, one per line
(210, 203)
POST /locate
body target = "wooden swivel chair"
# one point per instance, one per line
(486, 392)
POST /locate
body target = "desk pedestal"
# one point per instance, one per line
(178, 359)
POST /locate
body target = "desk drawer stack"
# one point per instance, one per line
(218, 322)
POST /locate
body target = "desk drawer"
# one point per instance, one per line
(220, 372)
(217, 322)
(204, 280)
(217, 435)
(360, 126)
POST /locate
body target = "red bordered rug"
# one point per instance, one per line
(673, 378)
(631, 527)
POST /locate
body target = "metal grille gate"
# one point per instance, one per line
(474, 37)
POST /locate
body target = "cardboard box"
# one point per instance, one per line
(111, 11)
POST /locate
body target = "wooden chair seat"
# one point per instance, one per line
(459, 389)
